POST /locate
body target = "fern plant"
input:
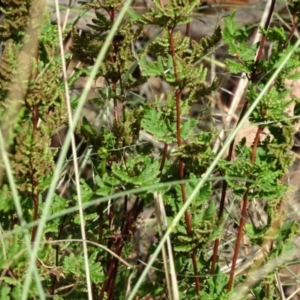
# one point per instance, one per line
(128, 174)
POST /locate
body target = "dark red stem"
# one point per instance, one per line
(187, 216)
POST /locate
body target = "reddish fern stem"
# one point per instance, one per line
(263, 38)
(243, 213)
(127, 231)
(230, 152)
(181, 165)
(111, 14)
(193, 254)
(164, 157)
(220, 214)
(223, 196)
(295, 23)
(238, 240)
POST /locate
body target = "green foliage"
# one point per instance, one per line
(215, 287)
(16, 19)
(33, 108)
(260, 176)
